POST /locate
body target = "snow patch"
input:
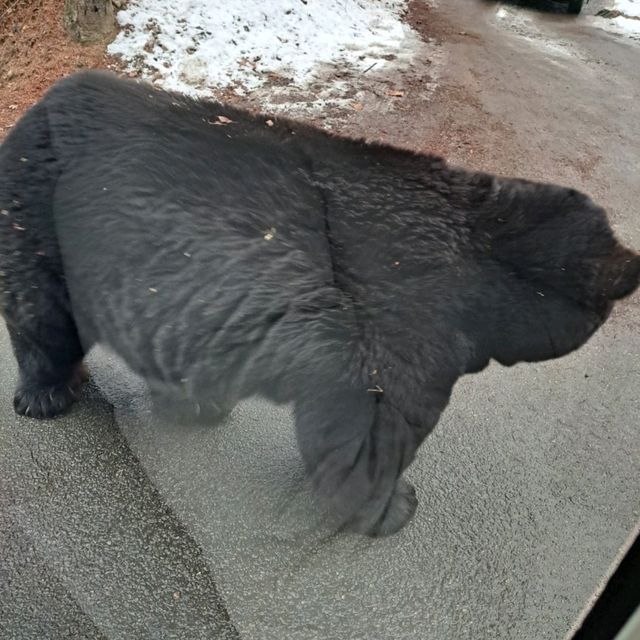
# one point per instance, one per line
(524, 27)
(630, 8)
(627, 25)
(623, 18)
(196, 46)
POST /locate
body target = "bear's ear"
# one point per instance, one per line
(620, 274)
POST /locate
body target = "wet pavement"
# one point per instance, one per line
(112, 526)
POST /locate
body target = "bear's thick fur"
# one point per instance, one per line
(222, 255)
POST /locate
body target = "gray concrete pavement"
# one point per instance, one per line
(527, 489)
(88, 548)
(116, 527)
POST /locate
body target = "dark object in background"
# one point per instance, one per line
(223, 255)
(617, 603)
(575, 6)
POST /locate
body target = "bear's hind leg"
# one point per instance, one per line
(33, 295)
(49, 354)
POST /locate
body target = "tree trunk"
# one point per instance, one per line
(90, 20)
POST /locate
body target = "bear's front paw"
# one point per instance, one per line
(43, 401)
(397, 513)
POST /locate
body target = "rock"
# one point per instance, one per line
(90, 21)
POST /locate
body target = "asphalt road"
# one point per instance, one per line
(112, 526)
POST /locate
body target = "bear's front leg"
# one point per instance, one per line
(355, 450)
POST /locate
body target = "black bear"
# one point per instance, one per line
(223, 255)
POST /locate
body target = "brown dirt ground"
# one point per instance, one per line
(34, 52)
